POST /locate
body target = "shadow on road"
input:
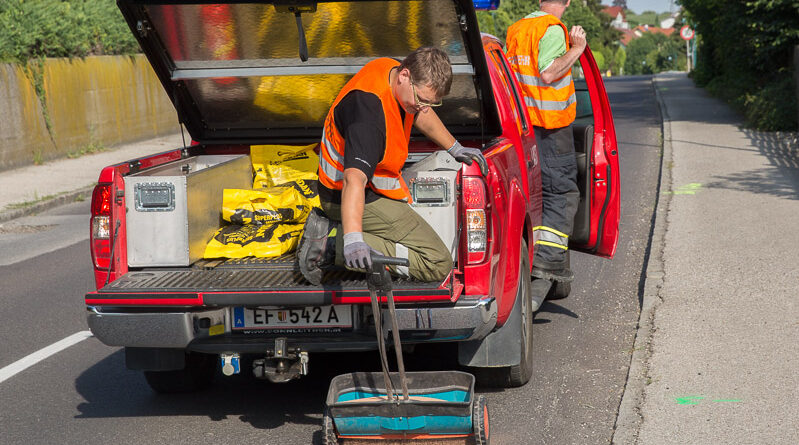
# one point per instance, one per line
(111, 390)
(552, 308)
(780, 180)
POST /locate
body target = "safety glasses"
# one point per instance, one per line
(420, 103)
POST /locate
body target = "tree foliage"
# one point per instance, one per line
(654, 53)
(62, 28)
(745, 56)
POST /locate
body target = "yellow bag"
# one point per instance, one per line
(266, 240)
(265, 206)
(278, 164)
(308, 189)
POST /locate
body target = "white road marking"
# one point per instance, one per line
(26, 362)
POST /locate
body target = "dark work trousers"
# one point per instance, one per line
(560, 195)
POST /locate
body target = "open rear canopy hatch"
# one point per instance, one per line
(253, 72)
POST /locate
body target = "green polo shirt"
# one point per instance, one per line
(551, 46)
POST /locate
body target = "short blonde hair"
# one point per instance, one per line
(429, 66)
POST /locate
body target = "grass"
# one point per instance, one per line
(36, 199)
(88, 149)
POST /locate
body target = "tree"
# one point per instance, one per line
(618, 60)
(744, 56)
(653, 53)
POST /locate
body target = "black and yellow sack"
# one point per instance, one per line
(279, 164)
(265, 240)
(285, 204)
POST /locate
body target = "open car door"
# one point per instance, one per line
(596, 225)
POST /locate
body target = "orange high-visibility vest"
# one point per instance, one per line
(387, 179)
(551, 105)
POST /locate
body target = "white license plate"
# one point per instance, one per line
(330, 318)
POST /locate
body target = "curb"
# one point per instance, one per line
(64, 198)
(629, 418)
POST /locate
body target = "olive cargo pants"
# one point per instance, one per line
(394, 229)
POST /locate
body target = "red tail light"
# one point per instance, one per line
(475, 201)
(101, 226)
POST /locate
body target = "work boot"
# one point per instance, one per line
(553, 272)
(317, 247)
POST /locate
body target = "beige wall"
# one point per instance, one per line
(103, 100)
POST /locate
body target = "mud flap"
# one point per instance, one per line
(502, 347)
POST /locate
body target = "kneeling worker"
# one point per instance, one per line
(364, 146)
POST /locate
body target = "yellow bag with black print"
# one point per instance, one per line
(265, 206)
(279, 164)
(264, 240)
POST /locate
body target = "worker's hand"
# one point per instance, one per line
(467, 154)
(357, 254)
(577, 37)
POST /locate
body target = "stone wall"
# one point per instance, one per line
(97, 101)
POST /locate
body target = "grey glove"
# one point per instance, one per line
(357, 254)
(467, 154)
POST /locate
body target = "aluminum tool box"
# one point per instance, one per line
(174, 209)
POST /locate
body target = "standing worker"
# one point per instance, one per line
(364, 146)
(542, 51)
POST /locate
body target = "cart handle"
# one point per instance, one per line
(389, 260)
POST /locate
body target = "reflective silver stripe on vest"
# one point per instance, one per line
(543, 234)
(330, 170)
(550, 105)
(535, 81)
(383, 183)
(330, 150)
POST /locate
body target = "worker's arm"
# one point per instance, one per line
(428, 122)
(563, 64)
(352, 200)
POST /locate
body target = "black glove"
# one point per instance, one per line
(357, 254)
(467, 154)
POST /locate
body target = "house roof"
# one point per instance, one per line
(627, 35)
(653, 29)
(614, 11)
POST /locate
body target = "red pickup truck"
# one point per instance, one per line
(265, 73)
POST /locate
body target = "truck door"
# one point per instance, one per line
(596, 225)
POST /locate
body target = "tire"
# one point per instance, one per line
(198, 374)
(329, 436)
(560, 290)
(520, 374)
(516, 375)
(480, 421)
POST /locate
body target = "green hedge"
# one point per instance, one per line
(56, 28)
(745, 57)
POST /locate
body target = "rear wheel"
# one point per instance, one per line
(196, 375)
(516, 375)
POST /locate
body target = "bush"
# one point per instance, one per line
(744, 56)
(56, 28)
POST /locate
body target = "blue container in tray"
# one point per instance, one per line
(440, 403)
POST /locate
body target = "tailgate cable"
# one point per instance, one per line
(113, 243)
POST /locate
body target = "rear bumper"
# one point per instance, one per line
(467, 319)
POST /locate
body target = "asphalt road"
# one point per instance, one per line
(85, 395)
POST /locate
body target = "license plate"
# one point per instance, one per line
(332, 318)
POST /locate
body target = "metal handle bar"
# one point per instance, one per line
(389, 260)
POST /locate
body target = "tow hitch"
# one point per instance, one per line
(281, 364)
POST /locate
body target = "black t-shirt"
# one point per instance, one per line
(360, 121)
